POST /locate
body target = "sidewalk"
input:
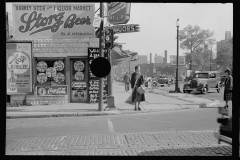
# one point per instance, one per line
(155, 102)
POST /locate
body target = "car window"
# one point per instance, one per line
(201, 75)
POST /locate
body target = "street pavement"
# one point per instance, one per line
(152, 143)
(156, 101)
(181, 143)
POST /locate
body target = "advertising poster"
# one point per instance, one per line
(79, 84)
(53, 20)
(52, 91)
(19, 67)
(93, 80)
(79, 91)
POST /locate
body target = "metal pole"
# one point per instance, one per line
(100, 102)
(210, 58)
(176, 85)
(110, 74)
(129, 67)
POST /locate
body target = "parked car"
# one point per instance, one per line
(163, 81)
(203, 81)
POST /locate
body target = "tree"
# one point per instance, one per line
(225, 55)
(193, 40)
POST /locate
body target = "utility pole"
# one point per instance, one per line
(100, 102)
(210, 57)
(176, 84)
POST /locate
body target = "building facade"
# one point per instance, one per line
(60, 58)
(158, 59)
(121, 69)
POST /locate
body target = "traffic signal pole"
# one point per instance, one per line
(100, 102)
(110, 98)
(110, 74)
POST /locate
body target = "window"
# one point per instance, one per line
(50, 71)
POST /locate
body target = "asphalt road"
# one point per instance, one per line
(189, 119)
(27, 133)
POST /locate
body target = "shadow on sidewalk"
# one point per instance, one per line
(193, 151)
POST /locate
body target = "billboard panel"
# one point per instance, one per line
(53, 20)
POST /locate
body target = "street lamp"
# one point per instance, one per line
(176, 84)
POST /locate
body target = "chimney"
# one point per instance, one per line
(165, 58)
(150, 57)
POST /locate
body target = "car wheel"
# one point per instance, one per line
(204, 90)
(184, 91)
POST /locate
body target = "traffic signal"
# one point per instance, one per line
(108, 38)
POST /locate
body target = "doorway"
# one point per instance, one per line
(78, 80)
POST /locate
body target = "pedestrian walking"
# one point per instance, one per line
(127, 79)
(228, 87)
(136, 81)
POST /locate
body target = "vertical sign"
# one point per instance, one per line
(118, 12)
(19, 67)
(93, 80)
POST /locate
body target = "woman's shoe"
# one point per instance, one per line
(135, 109)
(139, 108)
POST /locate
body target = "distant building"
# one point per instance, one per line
(121, 69)
(223, 43)
(158, 59)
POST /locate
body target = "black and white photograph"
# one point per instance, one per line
(119, 79)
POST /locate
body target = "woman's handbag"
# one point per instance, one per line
(141, 89)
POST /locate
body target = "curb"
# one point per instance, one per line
(201, 105)
(95, 113)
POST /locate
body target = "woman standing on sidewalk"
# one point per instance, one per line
(228, 87)
(136, 81)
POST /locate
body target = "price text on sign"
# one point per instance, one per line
(126, 28)
(93, 89)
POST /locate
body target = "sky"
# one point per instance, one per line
(158, 30)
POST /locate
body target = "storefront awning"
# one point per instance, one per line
(119, 56)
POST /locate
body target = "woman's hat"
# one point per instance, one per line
(227, 70)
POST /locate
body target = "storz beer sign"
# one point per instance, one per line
(118, 12)
(52, 91)
(53, 20)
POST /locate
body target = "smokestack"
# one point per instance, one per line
(165, 58)
(150, 57)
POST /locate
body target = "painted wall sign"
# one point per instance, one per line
(19, 67)
(93, 80)
(173, 60)
(53, 20)
(118, 12)
(125, 28)
(52, 91)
